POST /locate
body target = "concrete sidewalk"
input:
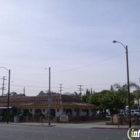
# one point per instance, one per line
(89, 125)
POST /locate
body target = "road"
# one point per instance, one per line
(24, 132)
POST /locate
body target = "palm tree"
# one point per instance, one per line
(122, 90)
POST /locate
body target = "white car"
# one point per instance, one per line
(135, 113)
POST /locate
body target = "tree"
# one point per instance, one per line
(111, 88)
(136, 93)
(41, 93)
(107, 99)
(13, 93)
(84, 98)
(88, 92)
(96, 100)
(77, 94)
(137, 96)
(113, 102)
(122, 90)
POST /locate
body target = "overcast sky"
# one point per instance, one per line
(74, 38)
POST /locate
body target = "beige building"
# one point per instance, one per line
(30, 107)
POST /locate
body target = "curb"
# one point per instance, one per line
(119, 128)
(32, 124)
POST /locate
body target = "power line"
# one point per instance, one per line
(27, 86)
(89, 64)
(68, 69)
(29, 74)
(31, 86)
(20, 65)
(28, 80)
(134, 51)
(32, 81)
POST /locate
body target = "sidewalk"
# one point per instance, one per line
(89, 125)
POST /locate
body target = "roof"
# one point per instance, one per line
(57, 101)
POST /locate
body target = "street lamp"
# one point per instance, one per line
(128, 85)
(9, 72)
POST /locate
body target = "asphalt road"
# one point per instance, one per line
(22, 132)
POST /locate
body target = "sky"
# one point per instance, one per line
(74, 38)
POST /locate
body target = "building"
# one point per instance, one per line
(30, 107)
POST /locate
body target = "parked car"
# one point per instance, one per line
(107, 115)
(121, 112)
(135, 113)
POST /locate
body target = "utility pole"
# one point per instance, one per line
(8, 100)
(9, 75)
(49, 98)
(3, 85)
(80, 88)
(24, 90)
(60, 91)
(128, 85)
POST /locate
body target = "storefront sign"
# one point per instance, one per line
(64, 118)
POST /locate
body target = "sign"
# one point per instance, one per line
(64, 118)
(132, 134)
